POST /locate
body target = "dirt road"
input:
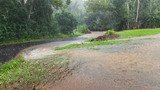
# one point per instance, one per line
(47, 49)
(130, 66)
(134, 65)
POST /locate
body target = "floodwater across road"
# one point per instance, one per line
(134, 65)
(7, 52)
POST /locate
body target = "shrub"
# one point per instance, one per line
(82, 29)
(66, 22)
(110, 32)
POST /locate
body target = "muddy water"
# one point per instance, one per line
(44, 50)
(130, 66)
(134, 65)
(39, 49)
(8, 52)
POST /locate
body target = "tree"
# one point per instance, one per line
(99, 21)
(138, 7)
(119, 14)
(99, 18)
(66, 22)
(21, 19)
(126, 14)
(77, 8)
(12, 19)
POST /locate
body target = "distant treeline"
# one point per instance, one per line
(122, 14)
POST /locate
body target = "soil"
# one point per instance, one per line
(106, 37)
(133, 65)
(47, 49)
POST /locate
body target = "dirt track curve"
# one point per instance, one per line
(133, 65)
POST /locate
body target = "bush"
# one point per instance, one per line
(97, 21)
(110, 32)
(82, 29)
(66, 22)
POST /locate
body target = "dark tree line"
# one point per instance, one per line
(33, 19)
(123, 14)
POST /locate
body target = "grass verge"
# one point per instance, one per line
(91, 44)
(123, 35)
(19, 74)
(138, 33)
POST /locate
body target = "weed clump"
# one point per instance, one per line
(110, 34)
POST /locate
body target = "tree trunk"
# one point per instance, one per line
(30, 9)
(138, 7)
(128, 15)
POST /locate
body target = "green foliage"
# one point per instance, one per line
(122, 14)
(110, 32)
(97, 21)
(29, 74)
(123, 34)
(77, 8)
(91, 44)
(82, 29)
(31, 19)
(11, 68)
(99, 18)
(57, 3)
(97, 5)
(19, 20)
(66, 22)
(12, 19)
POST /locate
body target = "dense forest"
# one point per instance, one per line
(123, 14)
(21, 19)
(36, 19)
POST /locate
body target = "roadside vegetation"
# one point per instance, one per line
(20, 74)
(122, 14)
(138, 33)
(38, 20)
(124, 36)
(90, 44)
(83, 29)
(128, 18)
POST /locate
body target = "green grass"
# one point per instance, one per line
(28, 74)
(19, 70)
(126, 34)
(91, 44)
(138, 32)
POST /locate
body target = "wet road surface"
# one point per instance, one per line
(44, 50)
(133, 65)
(8, 52)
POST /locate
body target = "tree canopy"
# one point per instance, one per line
(124, 14)
(34, 19)
(21, 19)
